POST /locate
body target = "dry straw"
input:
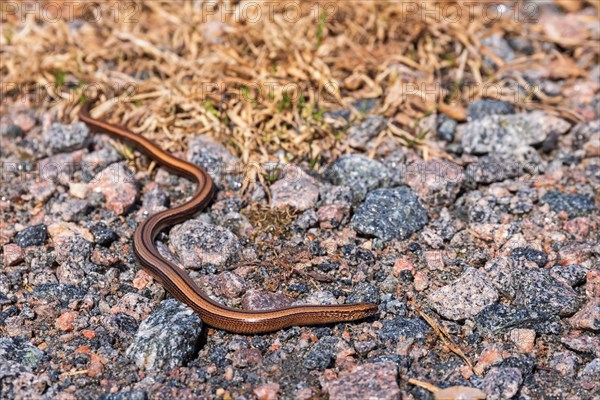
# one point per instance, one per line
(258, 77)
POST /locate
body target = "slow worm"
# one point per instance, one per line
(178, 282)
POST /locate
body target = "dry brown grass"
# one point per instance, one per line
(158, 59)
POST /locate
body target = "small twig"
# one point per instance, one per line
(446, 338)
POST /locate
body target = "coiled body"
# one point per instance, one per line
(178, 282)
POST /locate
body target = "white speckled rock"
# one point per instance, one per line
(198, 243)
(166, 339)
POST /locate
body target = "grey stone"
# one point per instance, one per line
(499, 46)
(530, 254)
(359, 173)
(198, 243)
(168, 338)
(364, 292)
(505, 133)
(446, 128)
(436, 181)
(103, 235)
(20, 350)
(300, 192)
(307, 220)
(360, 135)
(502, 383)
(398, 328)
(573, 275)
(220, 164)
(390, 213)
(565, 362)
(500, 167)
(19, 384)
(573, 204)
(498, 319)
(321, 355)
(338, 195)
(61, 138)
(478, 109)
(537, 290)
(590, 376)
(465, 297)
(364, 106)
(125, 395)
(72, 209)
(32, 236)
(62, 293)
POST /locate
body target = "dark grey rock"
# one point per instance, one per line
(498, 319)
(360, 135)
(538, 290)
(522, 45)
(390, 213)
(529, 254)
(168, 338)
(359, 173)
(524, 363)
(20, 350)
(500, 167)
(74, 250)
(573, 204)
(364, 347)
(221, 165)
(502, 383)
(502, 134)
(446, 128)
(121, 325)
(573, 275)
(11, 131)
(62, 293)
(364, 292)
(465, 297)
(478, 109)
(61, 138)
(321, 355)
(32, 236)
(103, 235)
(396, 307)
(410, 328)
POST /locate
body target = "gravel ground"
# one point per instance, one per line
(506, 265)
(496, 250)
